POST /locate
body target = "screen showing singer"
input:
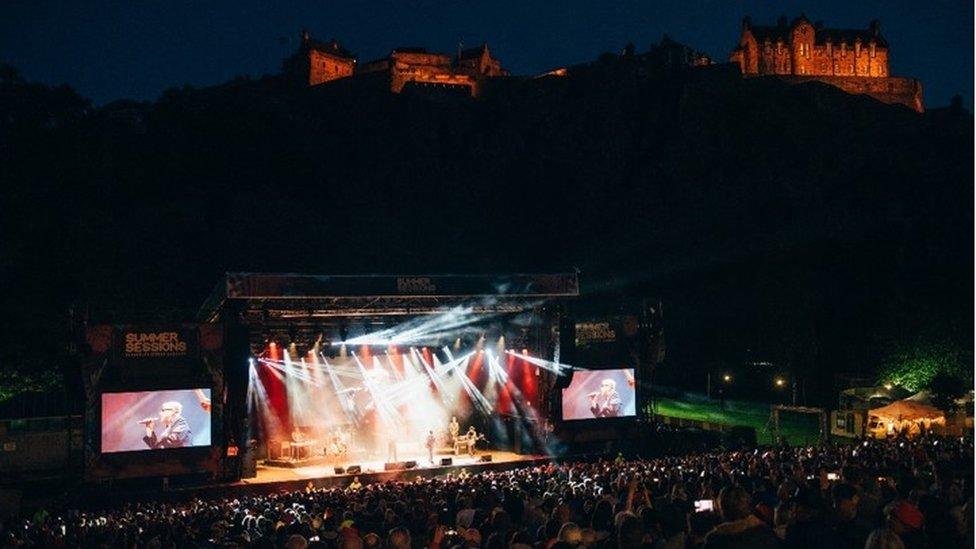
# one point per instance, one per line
(155, 420)
(600, 394)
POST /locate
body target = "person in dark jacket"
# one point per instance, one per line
(849, 531)
(606, 402)
(739, 527)
(177, 432)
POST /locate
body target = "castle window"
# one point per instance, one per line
(872, 51)
(823, 66)
(804, 49)
(852, 69)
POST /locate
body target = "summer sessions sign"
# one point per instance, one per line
(148, 342)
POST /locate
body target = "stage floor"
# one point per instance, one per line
(325, 474)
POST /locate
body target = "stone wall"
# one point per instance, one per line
(892, 90)
(325, 68)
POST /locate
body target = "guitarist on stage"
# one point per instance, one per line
(431, 440)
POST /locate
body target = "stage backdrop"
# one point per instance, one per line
(139, 372)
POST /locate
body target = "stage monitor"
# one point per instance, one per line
(155, 420)
(600, 394)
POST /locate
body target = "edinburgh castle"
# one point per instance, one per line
(853, 60)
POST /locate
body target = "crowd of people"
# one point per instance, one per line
(870, 494)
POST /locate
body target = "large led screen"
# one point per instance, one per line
(600, 394)
(155, 420)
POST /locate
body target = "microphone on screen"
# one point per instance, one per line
(593, 394)
(147, 421)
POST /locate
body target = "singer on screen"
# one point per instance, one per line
(176, 432)
(606, 402)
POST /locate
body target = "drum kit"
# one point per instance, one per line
(467, 441)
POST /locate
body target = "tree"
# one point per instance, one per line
(915, 364)
(945, 388)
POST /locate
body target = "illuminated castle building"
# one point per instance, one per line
(854, 60)
(406, 68)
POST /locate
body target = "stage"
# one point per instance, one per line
(324, 475)
(281, 479)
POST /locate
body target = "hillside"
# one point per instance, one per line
(799, 222)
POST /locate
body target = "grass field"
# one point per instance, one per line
(797, 428)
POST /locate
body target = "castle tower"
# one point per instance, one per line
(318, 62)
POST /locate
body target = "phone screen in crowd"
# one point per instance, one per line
(832, 476)
(703, 505)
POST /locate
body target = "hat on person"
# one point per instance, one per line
(908, 514)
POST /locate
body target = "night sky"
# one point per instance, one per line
(120, 49)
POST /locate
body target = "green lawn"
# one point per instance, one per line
(797, 428)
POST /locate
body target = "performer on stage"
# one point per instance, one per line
(454, 428)
(177, 433)
(472, 437)
(430, 446)
(391, 446)
(606, 402)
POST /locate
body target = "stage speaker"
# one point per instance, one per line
(446, 461)
(485, 458)
(354, 470)
(249, 461)
(340, 470)
(409, 464)
(393, 466)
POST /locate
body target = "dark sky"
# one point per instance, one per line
(136, 49)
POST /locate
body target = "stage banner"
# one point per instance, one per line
(293, 286)
(609, 341)
(139, 344)
(154, 400)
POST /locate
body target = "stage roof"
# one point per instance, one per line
(310, 296)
